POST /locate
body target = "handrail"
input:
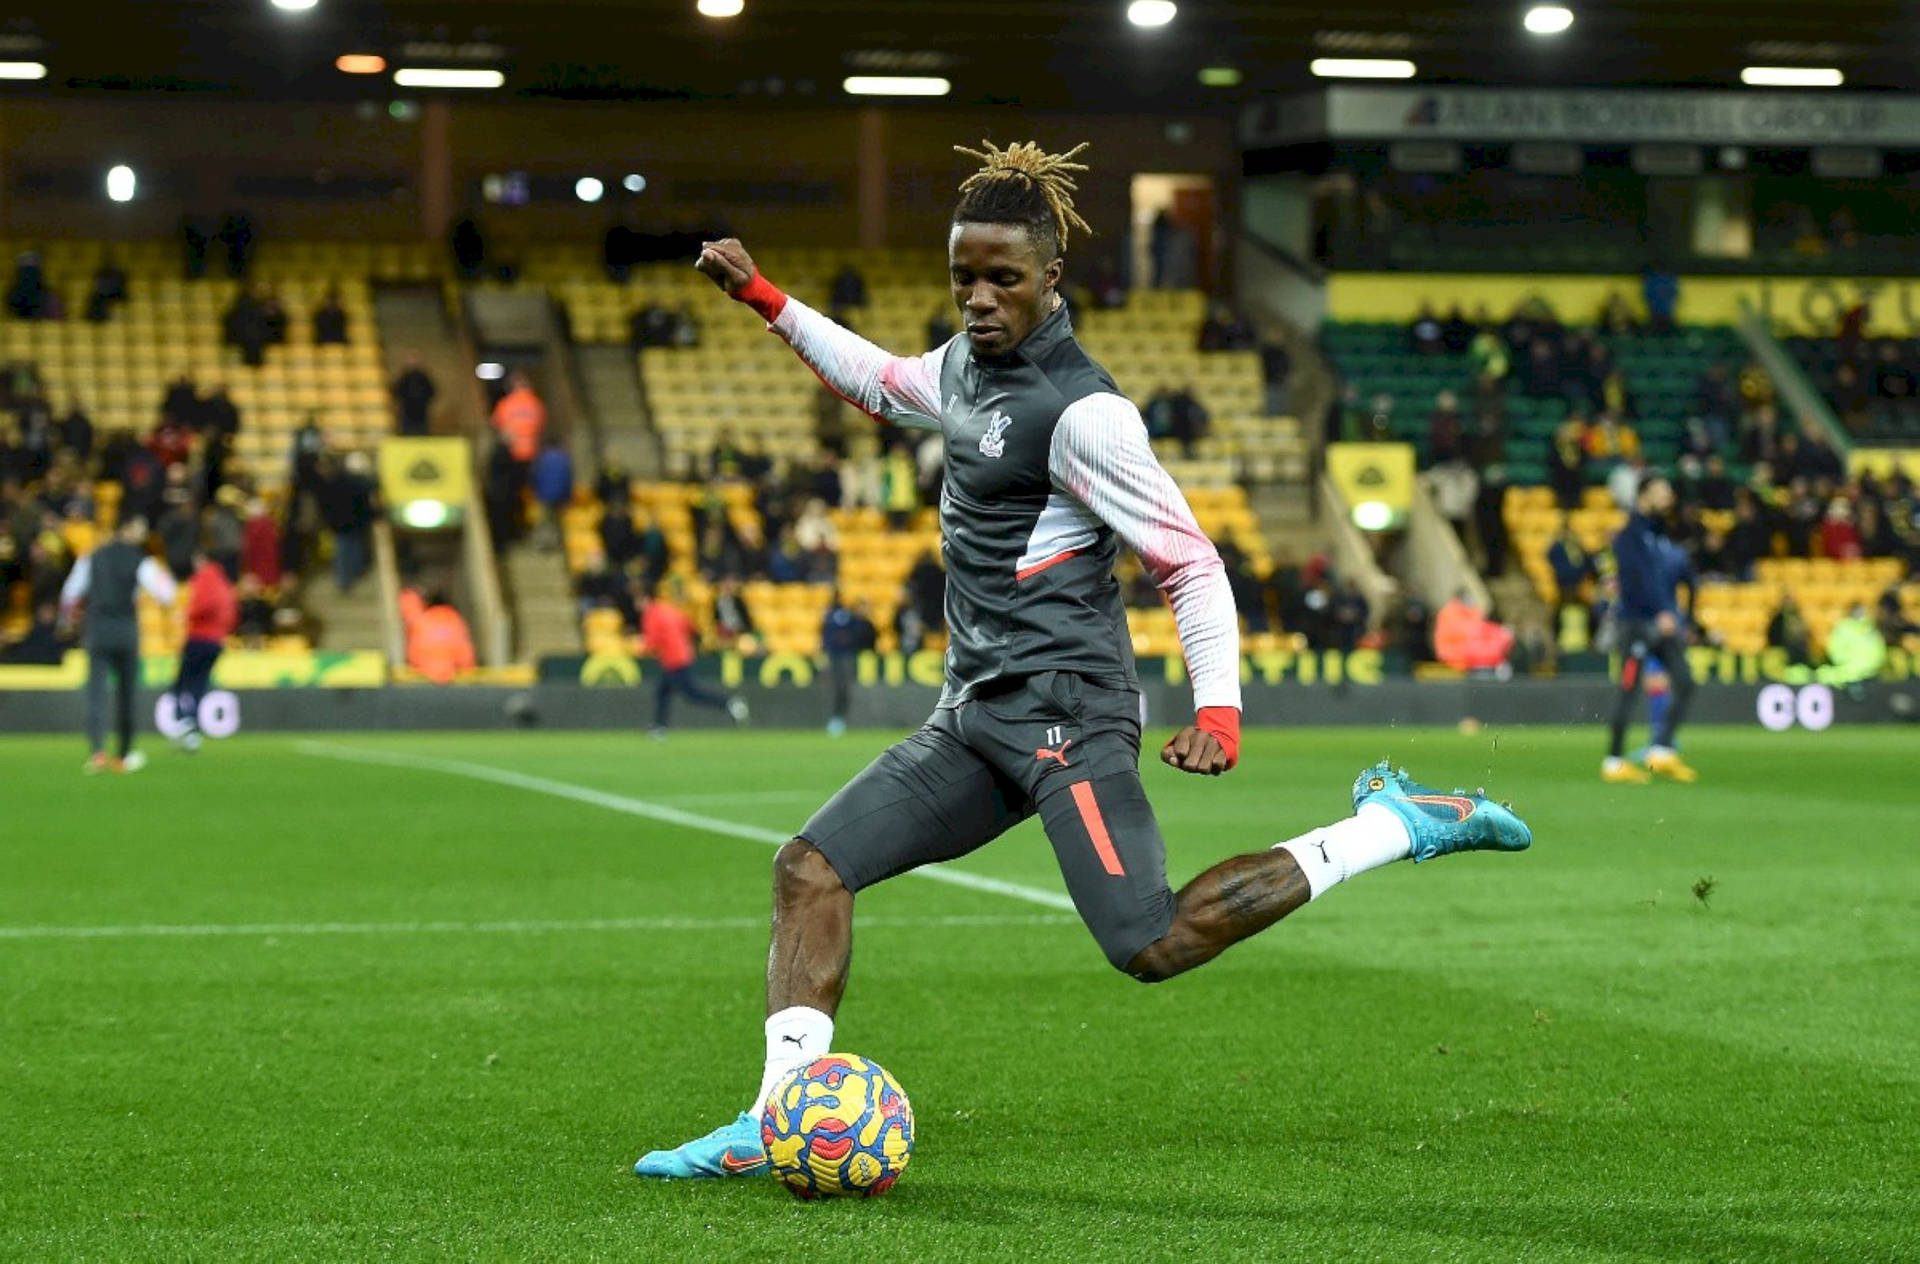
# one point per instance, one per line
(1353, 553)
(386, 569)
(1808, 404)
(1306, 269)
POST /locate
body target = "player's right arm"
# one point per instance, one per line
(902, 389)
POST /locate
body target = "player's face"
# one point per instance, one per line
(1001, 284)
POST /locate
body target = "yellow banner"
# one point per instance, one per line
(1377, 473)
(237, 669)
(1793, 305)
(425, 469)
(1880, 462)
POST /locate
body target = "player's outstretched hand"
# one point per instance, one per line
(727, 262)
(1192, 750)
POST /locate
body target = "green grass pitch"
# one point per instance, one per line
(266, 1004)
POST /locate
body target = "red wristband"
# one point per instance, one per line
(763, 296)
(1222, 724)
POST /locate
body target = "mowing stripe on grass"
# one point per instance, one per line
(216, 930)
(655, 812)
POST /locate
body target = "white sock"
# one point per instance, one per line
(1371, 837)
(795, 1035)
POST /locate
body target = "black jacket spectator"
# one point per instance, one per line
(413, 393)
(330, 321)
(76, 432)
(109, 287)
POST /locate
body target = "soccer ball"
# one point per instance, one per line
(838, 1126)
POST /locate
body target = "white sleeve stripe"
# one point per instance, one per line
(1101, 456)
(1064, 526)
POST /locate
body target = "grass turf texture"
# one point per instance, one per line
(1559, 1055)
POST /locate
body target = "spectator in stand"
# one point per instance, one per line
(1425, 336)
(686, 327)
(718, 552)
(236, 234)
(733, 625)
(76, 431)
(1158, 413)
(1716, 485)
(1818, 460)
(1465, 639)
(225, 531)
(824, 482)
(42, 644)
(1660, 292)
(1623, 482)
(213, 612)
(723, 459)
(653, 551)
(1756, 387)
(439, 645)
(469, 248)
(786, 561)
(848, 291)
(347, 507)
(1249, 594)
(845, 634)
(1852, 398)
(1457, 331)
(179, 524)
(1487, 353)
(330, 320)
(1801, 516)
(1616, 315)
(413, 393)
(1567, 463)
(899, 487)
(260, 545)
(1715, 399)
(670, 638)
(1788, 631)
(1876, 533)
(1540, 376)
(1609, 439)
(1347, 616)
(819, 542)
(245, 326)
(927, 584)
(273, 315)
(1190, 421)
(552, 478)
(1893, 380)
(109, 287)
(1748, 540)
(254, 613)
(1573, 569)
(1895, 627)
(909, 629)
(520, 420)
(1224, 329)
(27, 296)
(1445, 436)
(1839, 538)
(182, 400)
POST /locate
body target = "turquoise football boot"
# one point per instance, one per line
(1441, 824)
(732, 1149)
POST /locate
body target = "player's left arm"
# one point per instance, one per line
(156, 581)
(74, 591)
(1101, 457)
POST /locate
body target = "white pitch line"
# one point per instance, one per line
(264, 929)
(657, 812)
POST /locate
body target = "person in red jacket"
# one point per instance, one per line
(439, 646)
(669, 634)
(213, 611)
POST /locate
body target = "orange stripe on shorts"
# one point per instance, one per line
(1096, 827)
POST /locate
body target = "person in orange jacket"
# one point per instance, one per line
(520, 419)
(670, 637)
(439, 646)
(213, 611)
(1465, 639)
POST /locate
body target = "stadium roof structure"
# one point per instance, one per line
(1040, 53)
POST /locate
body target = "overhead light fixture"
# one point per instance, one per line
(489, 370)
(359, 63)
(1792, 77)
(120, 183)
(1151, 12)
(295, 6)
(1373, 515)
(429, 77)
(1361, 68)
(589, 189)
(720, 8)
(896, 86)
(1548, 19)
(634, 182)
(1220, 77)
(23, 70)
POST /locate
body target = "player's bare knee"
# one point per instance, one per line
(801, 874)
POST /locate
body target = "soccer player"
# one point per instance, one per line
(669, 633)
(212, 613)
(107, 580)
(1651, 571)
(1048, 474)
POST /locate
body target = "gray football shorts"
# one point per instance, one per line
(1054, 744)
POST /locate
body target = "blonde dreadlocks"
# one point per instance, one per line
(1023, 184)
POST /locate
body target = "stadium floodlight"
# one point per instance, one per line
(896, 86)
(438, 77)
(23, 70)
(1548, 19)
(720, 8)
(359, 63)
(121, 182)
(295, 6)
(1792, 77)
(634, 182)
(1361, 68)
(589, 188)
(1151, 12)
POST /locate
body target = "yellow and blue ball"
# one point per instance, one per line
(838, 1126)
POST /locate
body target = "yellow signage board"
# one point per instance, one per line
(1376, 475)
(237, 669)
(434, 470)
